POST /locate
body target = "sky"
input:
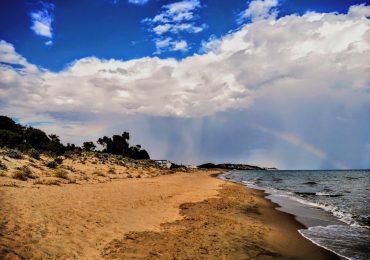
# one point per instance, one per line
(277, 83)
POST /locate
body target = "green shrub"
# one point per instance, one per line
(3, 166)
(68, 154)
(58, 160)
(52, 164)
(15, 154)
(35, 154)
(22, 173)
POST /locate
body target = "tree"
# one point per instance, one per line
(9, 138)
(105, 142)
(119, 144)
(55, 145)
(89, 146)
(6, 123)
(137, 153)
(71, 147)
(36, 138)
(14, 135)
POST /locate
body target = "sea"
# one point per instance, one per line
(333, 205)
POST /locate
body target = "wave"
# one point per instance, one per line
(345, 217)
(339, 214)
(353, 244)
(328, 194)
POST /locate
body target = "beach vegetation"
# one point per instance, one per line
(22, 173)
(99, 173)
(3, 167)
(33, 153)
(15, 154)
(47, 182)
(119, 145)
(52, 164)
(60, 173)
(26, 138)
(58, 160)
(89, 146)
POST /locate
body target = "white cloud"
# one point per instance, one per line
(260, 9)
(176, 18)
(163, 43)
(8, 54)
(181, 46)
(9, 57)
(168, 44)
(181, 7)
(162, 28)
(138, 2)
(176, 28)
(176, 12)
(292, 58)
(359, 10)
(42, 19)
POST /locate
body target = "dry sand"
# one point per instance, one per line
(178, 216)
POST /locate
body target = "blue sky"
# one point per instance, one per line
(279, 83)
(115, 29)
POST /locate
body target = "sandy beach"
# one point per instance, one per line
(182, 216)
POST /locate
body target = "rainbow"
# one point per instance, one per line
(295, 140)
(93, 130)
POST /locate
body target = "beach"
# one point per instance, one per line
(182, 215)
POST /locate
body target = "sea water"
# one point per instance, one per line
(333, 205)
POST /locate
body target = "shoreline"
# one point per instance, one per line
(179, 215)
(293, 218)
(280, 208)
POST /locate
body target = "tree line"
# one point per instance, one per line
(14, 135)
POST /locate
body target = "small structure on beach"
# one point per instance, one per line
(163, 163)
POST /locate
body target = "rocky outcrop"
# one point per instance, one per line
(230, 166)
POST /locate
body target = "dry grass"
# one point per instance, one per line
(47, 182)
(15, 154)
(112, 171)
(3, 166)
(69, 168)
(72, 181)
(22, 173)
(80, 167)
(35, 154)
(99, 173)
(60, 173)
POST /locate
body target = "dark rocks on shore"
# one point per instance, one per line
(310, 183)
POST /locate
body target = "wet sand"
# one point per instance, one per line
(178, 216)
